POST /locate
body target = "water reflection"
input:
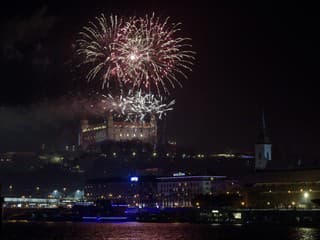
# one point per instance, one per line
(147, 231)
(307, 234)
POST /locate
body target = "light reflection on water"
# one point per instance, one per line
(148, 231)
(308, 233)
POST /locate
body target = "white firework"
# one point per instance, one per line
(137, 105)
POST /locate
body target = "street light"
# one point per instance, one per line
(306, 195)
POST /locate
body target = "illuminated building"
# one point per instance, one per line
(23, 202)
(52, 202)
(114, 130)
(295, 188)
(176, 191)
(133, 191)
(180, 190)
(262, 148)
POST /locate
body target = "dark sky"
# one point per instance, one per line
(250, 56)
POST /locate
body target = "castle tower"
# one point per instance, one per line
(110, 128)
(262, 148)
(84, 124)
(154, 129)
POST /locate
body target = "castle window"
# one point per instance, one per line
(268, 156)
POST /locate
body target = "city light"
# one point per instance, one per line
(179, 174)
(306, 195)
(134, 179)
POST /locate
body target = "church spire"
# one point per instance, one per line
(263, 120)
(263, 137)
(263, 147)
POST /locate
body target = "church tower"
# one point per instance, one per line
(262, 148)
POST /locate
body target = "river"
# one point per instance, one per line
(148, 231)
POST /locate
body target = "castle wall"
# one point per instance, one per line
(117, 131)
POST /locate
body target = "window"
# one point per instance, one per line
(268, 156)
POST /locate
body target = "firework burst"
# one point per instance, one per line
(139, 53)
(136, 105)
(96, 47)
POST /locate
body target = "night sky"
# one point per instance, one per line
(249, 57)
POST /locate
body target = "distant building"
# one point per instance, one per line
(134, 191)
(283, 188)
(143, 191)
(262, 148)
(114, 130)
(180, 191)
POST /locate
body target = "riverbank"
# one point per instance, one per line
(288, 217)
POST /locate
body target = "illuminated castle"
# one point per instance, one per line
(117, 131)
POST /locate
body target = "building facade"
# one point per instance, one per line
(286, 188)
(114, 130)
(180, 191)
(175, 191)
(132, 191)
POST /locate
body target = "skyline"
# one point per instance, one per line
(249, 58)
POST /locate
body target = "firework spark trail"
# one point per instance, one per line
(139, 53)
(96, 46)
(136, 105)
